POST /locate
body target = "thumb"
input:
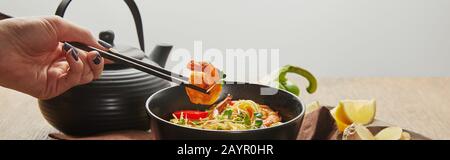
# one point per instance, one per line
(67, 31)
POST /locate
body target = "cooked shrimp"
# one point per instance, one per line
(222, 105)
(269, 116)
(204, 75)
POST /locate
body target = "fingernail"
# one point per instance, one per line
(104, 44)
(67, 47)
(74, 54)
(97, 59)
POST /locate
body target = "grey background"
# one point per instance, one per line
(328, 37)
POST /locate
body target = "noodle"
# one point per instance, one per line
(236, 115)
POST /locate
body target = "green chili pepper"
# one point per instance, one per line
(222, 74)
(182, 121)
(195, 122)
(258, 115)
(228, 113)
(281, 82)
(247, 120)
(258, 123)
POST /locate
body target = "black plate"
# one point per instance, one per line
(164, 102)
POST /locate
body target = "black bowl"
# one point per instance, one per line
(163, 103)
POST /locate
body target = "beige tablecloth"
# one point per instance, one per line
(417, 104)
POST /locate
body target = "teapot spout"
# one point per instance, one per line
(160, 54)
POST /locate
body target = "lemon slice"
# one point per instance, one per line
(312, 107)
(357, 132)
(364, 133)
(390, 133)
(405, 136)
(356, 111)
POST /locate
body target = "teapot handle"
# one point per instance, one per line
(131, 5)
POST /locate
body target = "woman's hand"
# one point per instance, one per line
(33, 61)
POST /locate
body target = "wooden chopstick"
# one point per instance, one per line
(157, 68)
(132, 62)
(4, 16)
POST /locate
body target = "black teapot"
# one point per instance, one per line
(115, 101)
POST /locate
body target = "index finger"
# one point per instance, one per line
(67, 31)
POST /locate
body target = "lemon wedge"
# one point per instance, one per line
(340, 115)
(356, 111)
(341, 125)
(312, 107)
(341, 119)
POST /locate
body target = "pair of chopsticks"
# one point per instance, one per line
(142, 66)
(136, 64)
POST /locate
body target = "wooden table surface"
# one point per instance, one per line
(417, 104)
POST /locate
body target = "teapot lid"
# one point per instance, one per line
(127, 50)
